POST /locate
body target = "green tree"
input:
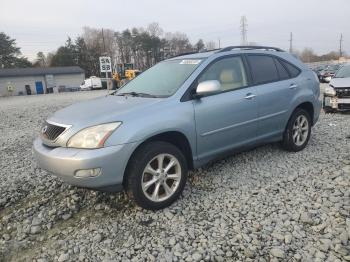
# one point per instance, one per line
(22, 62)
(65, 55)
(86, 58)
(10, 54)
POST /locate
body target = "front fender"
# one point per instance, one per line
(178, 117)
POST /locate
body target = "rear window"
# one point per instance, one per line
(283, 73)
(263, 69)
(293, 70)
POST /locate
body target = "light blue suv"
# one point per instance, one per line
(179, 115)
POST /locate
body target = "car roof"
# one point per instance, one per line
(243, 49)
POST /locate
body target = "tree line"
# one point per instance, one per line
(308, 55)
(143, 47)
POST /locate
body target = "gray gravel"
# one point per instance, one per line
(261, 205)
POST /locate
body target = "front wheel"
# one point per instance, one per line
(298, 130)
(156, 175)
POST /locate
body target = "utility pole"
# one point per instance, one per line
(104, 44)
(291, 43)
(341, 45)
(104, 47)
(219, 43)
(244, 29)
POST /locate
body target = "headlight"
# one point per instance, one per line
(329, 90)
(93, 137)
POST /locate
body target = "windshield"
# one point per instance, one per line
(333, 67)
(161, 80)
(343, 72)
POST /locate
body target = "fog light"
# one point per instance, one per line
(94, 172)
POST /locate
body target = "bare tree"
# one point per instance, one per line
(199, 45)
(155, 30)
(41, 60)
(49, 57)
(308, 55)
(178, 43)
(211, 45)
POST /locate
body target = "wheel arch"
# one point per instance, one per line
(175, 138)
(308, 107)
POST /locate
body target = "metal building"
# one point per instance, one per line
(26, 81)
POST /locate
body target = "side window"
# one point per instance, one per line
(283, 73)
(263, 69)
(228, 71)
(293, 70)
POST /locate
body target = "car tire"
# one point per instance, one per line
(149, 183)
(298, 131)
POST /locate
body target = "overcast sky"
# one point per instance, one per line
(43, 25)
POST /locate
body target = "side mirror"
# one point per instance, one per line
(207, 88)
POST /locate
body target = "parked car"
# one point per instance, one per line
(318, 70)
(337, 94)
(91, 83)
(326, 75)
(179, 115)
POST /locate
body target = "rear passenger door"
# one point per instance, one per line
(275, 88)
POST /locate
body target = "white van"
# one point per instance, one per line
(91, 83)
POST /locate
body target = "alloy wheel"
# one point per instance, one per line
(300, 130)
(161, 177)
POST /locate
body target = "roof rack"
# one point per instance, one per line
(183, 54)
(196, 52)
(250, 47)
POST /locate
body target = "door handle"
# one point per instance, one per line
(293, 86)
(249, 96)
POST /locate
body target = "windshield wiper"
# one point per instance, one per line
(135, 94)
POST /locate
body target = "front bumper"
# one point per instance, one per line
(65, 162)
(340, 104)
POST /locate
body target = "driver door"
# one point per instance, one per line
(228, 119)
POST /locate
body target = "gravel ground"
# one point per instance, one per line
(261, 205)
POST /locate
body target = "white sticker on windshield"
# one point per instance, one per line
(190, 62)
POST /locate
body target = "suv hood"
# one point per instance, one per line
(340, 82)
(102, 110)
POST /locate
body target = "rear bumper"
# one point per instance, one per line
(65, 162)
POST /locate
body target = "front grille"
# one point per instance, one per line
(51, 132)
(343, 92)
(344, 106)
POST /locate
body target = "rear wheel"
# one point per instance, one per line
(298, 130)
(156, 175)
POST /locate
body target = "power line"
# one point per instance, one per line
(291, 43)
(244, 29)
